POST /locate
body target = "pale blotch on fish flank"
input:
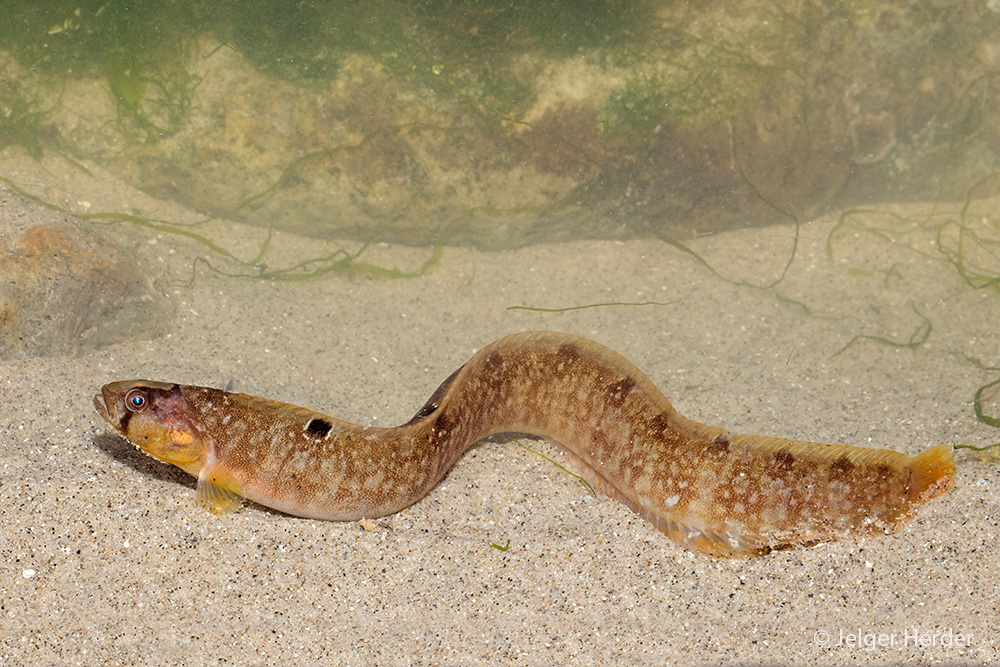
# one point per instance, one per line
(710, 490)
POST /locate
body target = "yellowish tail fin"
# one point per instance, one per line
(933, 473)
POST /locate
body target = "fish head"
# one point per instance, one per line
(157, 418)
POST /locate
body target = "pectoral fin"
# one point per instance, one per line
(218, 493)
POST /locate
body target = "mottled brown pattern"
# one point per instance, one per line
(708, 489)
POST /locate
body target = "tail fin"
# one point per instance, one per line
(932, 473)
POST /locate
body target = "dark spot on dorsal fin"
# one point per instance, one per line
(719, 446)
(434, 402)
(883, 471)
(842, 468)
(444, 425)
(618, 391)
(661, 423)
(493, 362)
(843, 464)
(568, 352)
(318, 428)
(782, 461)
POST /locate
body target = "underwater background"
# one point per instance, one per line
(785, 214)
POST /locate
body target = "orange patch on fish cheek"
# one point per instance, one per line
(179, 438)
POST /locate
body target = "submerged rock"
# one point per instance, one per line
(65, 290)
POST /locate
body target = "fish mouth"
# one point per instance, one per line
(101, 407)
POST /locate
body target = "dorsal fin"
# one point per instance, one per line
(434, 402)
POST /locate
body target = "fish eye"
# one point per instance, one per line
(136, 400)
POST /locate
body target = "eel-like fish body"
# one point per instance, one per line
(708, 489)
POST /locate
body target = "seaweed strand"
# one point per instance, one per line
(917, 338)
(592, 305)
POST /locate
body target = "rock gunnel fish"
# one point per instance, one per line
(708, 489)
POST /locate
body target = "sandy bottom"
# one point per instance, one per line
(106, 559)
